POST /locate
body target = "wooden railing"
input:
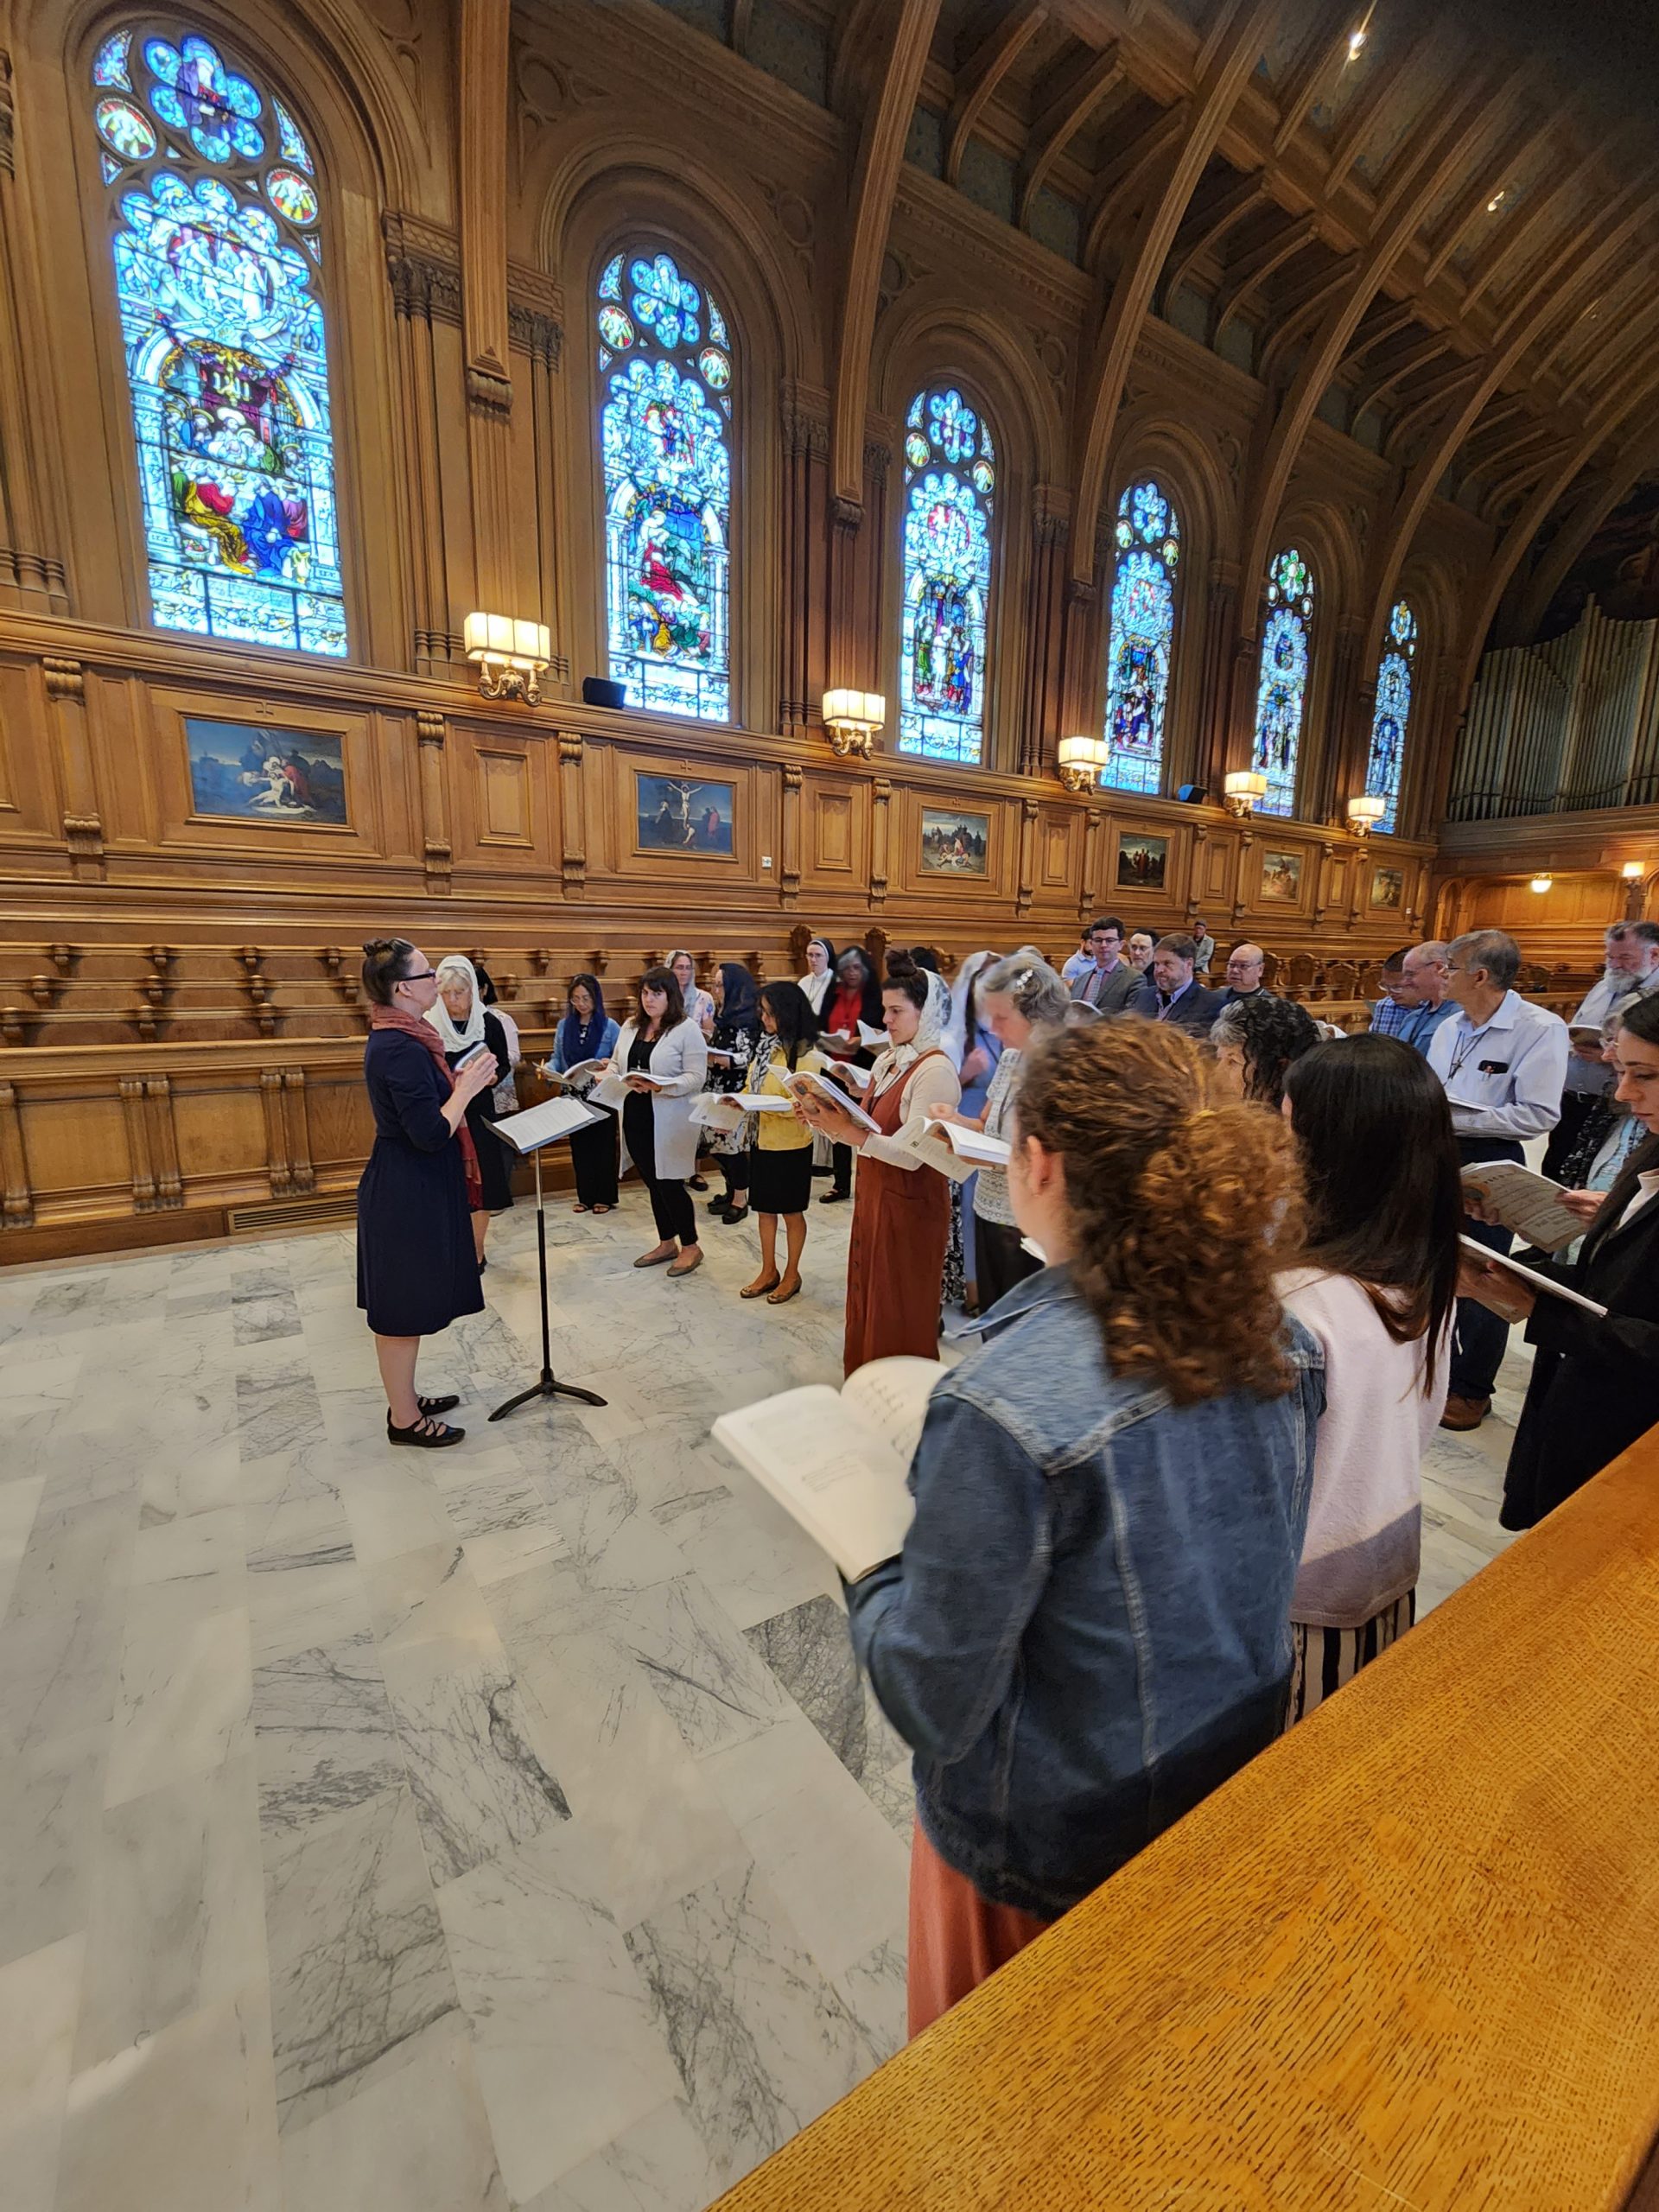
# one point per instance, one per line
(1409, 1957)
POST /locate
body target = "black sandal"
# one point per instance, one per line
(438, 1405)
(427, 1434)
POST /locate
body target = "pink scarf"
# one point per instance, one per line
(393, 1017)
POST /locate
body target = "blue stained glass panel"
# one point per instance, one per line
(1282, 686)
(950, 491)
(663, 433)
(1140, 640)
(227, 370)
(112, 69)
(1393, 713)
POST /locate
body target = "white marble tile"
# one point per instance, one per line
(277, 1409)
(305, 1587)
(393, 1506)
(432, 1593)
(324, 1736)
(176, 1910)
(359, 1974)
(19, 1501)
(183, 2121)
(568, 2050)
(59, 1666)
(753, 1560)
(417, 2141)
(762, 2042)
(708, 1682)
(659, 2164)
(186, 1688)
(39, 1995)
(873, 1990)
(51, 1799)
(210, 1546)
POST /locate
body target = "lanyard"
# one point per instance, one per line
(1461, 1054)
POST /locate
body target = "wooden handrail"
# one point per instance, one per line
(1409, 1957)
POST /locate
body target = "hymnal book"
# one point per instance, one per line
(470, 1055)
(1531, 1275)
(835, 1460)
(543, 1124)
(1525, 1202)
(612, 1087)
(877, 1039)
(763, 1101)
(809, 1079)
(715, 1109)
(925, 1140)
(849, 1071)
(974, 1144)
(584, 1071)
(717, 1053)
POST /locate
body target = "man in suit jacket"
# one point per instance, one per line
(1109, 982)
(1172, 994)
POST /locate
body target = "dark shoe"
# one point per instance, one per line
(833, 1197)
(718, 1204)
(1465, 1413)
(436, 1405)
(697, 1183)
(687, 1263)
(427, 1435)
(735, 1214)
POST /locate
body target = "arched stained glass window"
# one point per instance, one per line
(214, 210)
(665, 367)
(1281, 689)
(1142, 634)
(1388, 756)
(950, 491)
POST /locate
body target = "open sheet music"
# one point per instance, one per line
(543, 1124)
(1532, 1276)
(1529, 1204)
(584, 1071)
(835, 1460)
(974, 1145)
(806, 1080)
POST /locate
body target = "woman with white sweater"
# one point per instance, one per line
(1377, 1286)
(658, 1133)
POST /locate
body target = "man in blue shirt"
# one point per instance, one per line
(1417, 1001)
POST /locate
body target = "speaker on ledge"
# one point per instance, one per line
(603, 691)
(1194, 794)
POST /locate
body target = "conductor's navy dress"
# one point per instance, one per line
(415, 1267)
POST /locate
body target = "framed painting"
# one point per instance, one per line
(1141, 862)
(1282, 877)
(250, 771)
(1388, 886)
(953, 844)
(683, 814)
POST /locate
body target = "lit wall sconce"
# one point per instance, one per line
(1240, 791)
(509, 656)
(1542, 883)
(1080, 760)
(1365, 813)
(1632, 871)
(852, 719)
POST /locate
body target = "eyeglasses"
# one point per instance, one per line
(421, 975)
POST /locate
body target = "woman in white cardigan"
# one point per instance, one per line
(658, 1133)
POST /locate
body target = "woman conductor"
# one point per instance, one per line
(416, 1266)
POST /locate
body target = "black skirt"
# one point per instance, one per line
(780, 1182)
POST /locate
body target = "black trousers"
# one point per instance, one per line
(1576, 1107)
(670, 1202)
(1482, 1335)
(734, 1166)
(841, 1169)
(999, 1261)
(592, 1159)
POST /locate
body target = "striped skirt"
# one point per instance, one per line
(1328, 1657)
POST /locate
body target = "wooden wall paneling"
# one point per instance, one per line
(881, 841)
(1026, 887)
(17, 1199)
(278, 1164)
(82, 824)
(301, 1176)
(535, 313)
(30, 820)
(1042, 703)
(1060, 853)
(724, 875)
(140, 1166)
(424, 289)
(804, 425)
(572, 838)
(437, 852)
(163, 1141)
(31, 506)
(1215, 867)
(998, 885)
(1096, 839)
(837, 837)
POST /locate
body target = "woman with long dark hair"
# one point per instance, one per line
(732, 1043)
(856, 997)
(662, 1042)
(416, 1269)
(780, 1160)
(1085, 1633)
(588, 1033)
(1377, 1284)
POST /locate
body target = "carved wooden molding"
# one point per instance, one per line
(277, 1166)
(573, 854)
(152, 1143)
(533, 331)
(17, 1200)
(1026, 890)
(789, 857)
(482, 102)
(301, 1175)
(423, 268)
(881, 834)
(430, 731)
(6, 104)
(82, 822)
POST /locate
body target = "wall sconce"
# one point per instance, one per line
(1542, 883)
(509, 656)
(1080, 760)
(1365, 813)
(1241, 790)
(1632, 871)
(852, 719)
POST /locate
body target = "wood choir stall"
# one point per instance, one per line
(1409, 1957)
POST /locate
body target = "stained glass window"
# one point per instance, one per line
(222, 330)
(1393, 713)
(665, 367)
(1142, 633)
(950, 491)
(1281, 689)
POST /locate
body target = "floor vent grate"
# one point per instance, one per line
(290, 1213)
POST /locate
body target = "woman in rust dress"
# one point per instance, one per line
(901, 1210)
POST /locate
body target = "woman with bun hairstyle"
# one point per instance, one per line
(780, 1158)
(901, 1209)
(416, 1269)
(1087, 1629)
(662, 1042)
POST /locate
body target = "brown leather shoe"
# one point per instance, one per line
(1465, 1413)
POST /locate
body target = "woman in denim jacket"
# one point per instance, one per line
(1088, 1626)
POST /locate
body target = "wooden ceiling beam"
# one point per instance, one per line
(876, 179)
(1383, 319)
(1122, 183)
(1510, 161)
(1532, 219)
(1405, 361)
(1206, 226)
(984, 70)
(1228, 58)
(1059, 119)
(1327, 55)
(1252, 269)
(1605, 491)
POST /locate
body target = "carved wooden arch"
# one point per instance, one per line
(365, 150)
(621, 205)
(929, 324)
(931, 345)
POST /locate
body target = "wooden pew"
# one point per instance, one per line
(1410, 1958)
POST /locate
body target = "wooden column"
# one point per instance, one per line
(16, 1197)
(482, 105)
(301, 1175)
(537, 333)
(425, 290)
(881, 834)
(805, 426)
(572, 855)
(31, 570)
(430, 731)
(278, 1168)
(83, 826)
(1210, 757)
(1041, 705)
(789, 852)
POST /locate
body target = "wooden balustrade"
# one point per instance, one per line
(1409, 1957)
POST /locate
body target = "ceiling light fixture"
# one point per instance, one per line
(1356, 40)
(1498, 200)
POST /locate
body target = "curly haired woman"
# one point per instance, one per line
(1088, 1629)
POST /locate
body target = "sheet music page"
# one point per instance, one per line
(1532, 1276)
(1525, 1202)
(926, 1140)
(831, 1091)
(543, 1124)
(974, 1144)
(830, 1471)
(891, 1395)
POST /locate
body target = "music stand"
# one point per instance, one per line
(547, 1385)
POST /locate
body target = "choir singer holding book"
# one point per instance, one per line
(660, 1063)
(1086, 1630)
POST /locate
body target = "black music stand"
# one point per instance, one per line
(548, 1386)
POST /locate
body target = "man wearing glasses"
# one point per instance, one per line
(1503, 1061)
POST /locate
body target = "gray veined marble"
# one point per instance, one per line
(264, 1320)
(809, 1650)
(278, 1410)
(324, 1735)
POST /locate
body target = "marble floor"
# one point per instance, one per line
(502, 1827)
